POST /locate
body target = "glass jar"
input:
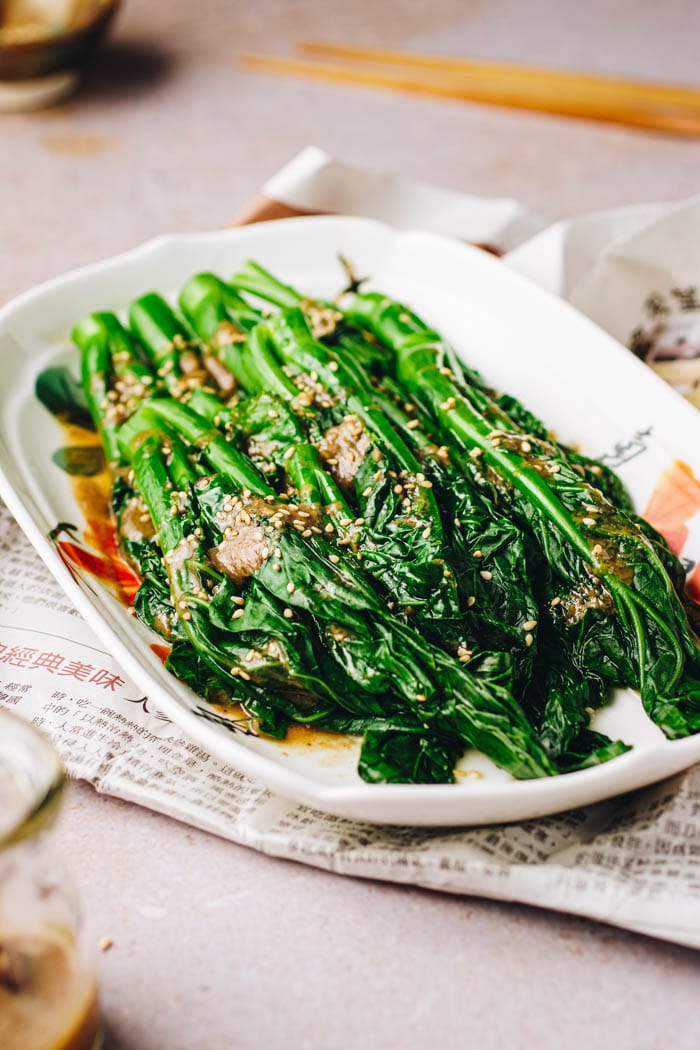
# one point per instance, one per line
(48, 992)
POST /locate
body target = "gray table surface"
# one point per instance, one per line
(214, 945)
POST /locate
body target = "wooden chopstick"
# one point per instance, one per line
(657, 107)
(506, 72)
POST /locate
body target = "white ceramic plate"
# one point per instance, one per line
(586, 386)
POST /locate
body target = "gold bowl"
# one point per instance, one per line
(34, 47)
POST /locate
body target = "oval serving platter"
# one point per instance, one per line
(586, 387)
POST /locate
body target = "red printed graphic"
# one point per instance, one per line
(675, 500)
(107, 566)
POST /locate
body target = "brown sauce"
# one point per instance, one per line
(93, 494)
(46, 1001)
(343, 448)
(241, 556)
(298, 737)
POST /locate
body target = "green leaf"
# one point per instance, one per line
(408, 757)
(62, 395)
(80, 460)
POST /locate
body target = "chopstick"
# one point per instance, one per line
(659, 107)
(502, 71)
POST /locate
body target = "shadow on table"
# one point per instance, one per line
(123, 70)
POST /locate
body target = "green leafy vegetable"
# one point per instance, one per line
(76, 460)
(339, 524)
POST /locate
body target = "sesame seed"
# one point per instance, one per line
(556, 601)
(426, 532)
(278, 552)
(478, 554)
(398, 489)
(529, 640)
(447, 574)
(272, 414)
(288, 614)
(359, 521)
(589, 521)
(529, 625)
(238, 613)
(471, 600)
(307, 532)
(290, 588)
(367, 492)
(244, 675)
(237, 599)
(333, 366)
(526, 447)
(445, 371)
(328, 528)
(249, 656)
(421, 698)
(486, 575)
(408, 407)
(412, 424)
(378, 476)
(333, 558)
(476, 452)
(277, 567)
(448, 405)
(554, 468)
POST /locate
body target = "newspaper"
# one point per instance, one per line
(633, 861)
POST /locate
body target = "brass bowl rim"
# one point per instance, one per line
(72, 36)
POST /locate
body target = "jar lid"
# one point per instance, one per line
(31, 780)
